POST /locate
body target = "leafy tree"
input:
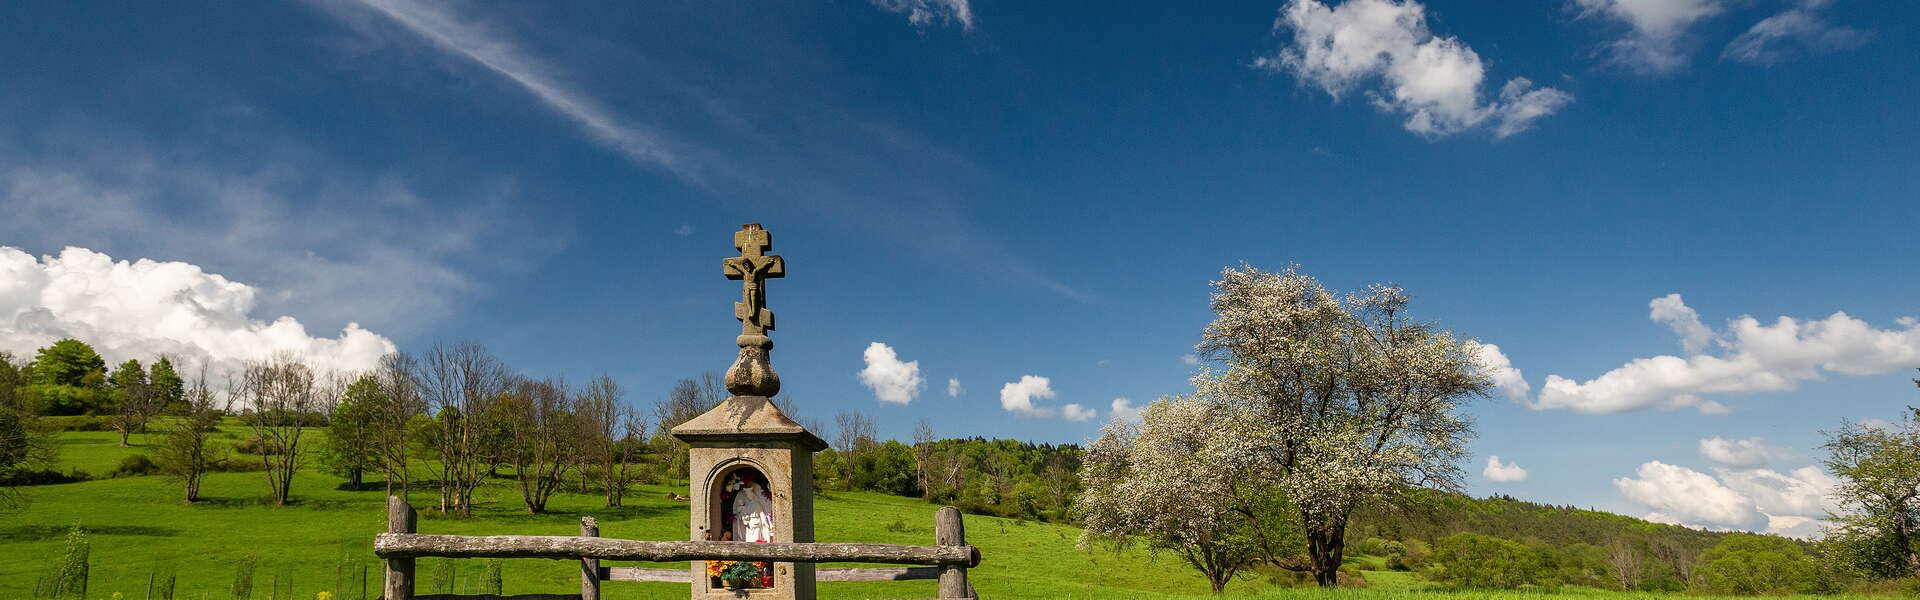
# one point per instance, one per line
(68, 378)
(169, 390)
(1477, 561)
(1346, 400)
(1172, 481)
(23, 445)
(1879, 494)
(134, 401)
(351, 431)
(1748, 564)
(888, 467)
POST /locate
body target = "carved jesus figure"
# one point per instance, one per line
(752, 511)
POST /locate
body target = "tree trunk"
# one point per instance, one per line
(123, 435)
(353, 477)
(1324, 548)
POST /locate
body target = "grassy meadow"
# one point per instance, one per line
(323, 541)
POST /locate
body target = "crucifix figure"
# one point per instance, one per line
(752, 374)
(753, 268)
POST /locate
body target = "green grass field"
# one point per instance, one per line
(140, 527)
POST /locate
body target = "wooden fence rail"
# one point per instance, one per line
(947, 561)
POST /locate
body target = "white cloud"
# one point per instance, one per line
(953, 387)
(1755, 357)
(1683, 320)
(922, 13)
(1507, 380)
(1503, 472)
(1384, 48)
(683, 230)
(1793, 503)
(1739, 454)
(1075, 412)
(891, 380)
(1801, 29)
(1124, 410)
(1017, 397)
(1190, 360)
(1656, 39)
(476, 42)
(142, 309)
(1681, 495)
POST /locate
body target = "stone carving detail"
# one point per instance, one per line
(752, 373)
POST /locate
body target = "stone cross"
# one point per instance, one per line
(753, 268)
(752, 373)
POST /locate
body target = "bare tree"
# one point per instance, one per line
(282, 397)
(612, 436)
(923, 454)
(540, 420)
(185, 453)
(853, 432)
(459, 382)
(689, 398)
(399, 404)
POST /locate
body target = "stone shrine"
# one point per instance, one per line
(750, 467)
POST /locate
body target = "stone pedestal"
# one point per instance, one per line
(749, 432)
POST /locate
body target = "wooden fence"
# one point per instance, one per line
(946, 561)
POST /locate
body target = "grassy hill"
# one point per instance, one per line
(139, 528)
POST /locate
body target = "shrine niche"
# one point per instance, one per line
(750, 466)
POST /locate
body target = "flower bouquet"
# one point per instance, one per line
(735, 574)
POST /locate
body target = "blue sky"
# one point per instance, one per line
(996, 190)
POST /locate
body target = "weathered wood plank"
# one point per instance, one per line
(640, 574)
(589, 567)
(391, 545)
(887, 574)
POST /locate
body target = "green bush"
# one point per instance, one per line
(1749, 564)
(77, 423)
(1413, 556)
(134, 466)
(1483, 562)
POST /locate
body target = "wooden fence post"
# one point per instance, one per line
(949, 531)
(400, 519)
(589, 567)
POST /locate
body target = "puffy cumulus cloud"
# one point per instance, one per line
(146, 308)
(1017, 397)
(1075, 412)
(1496, 366)
(1384, 49)
(1753, 357)
(954, 390)
(1123, 409)
(923, 13)
(1738, 454)
(1656, 33)
(1793, 503)
(1681, 495)
(1798, 30)
(891, 380)
(1501, 471)
(1673, 312)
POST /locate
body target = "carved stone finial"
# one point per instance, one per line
(752, 373)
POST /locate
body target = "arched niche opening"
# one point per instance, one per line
(742, 510)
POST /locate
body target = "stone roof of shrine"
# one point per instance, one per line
(747, 418)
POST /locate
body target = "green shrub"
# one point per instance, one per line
(1749, 564)
(135, 465)
(1414, 555)
(242, 588)
(77, 423)
(1476, 561)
